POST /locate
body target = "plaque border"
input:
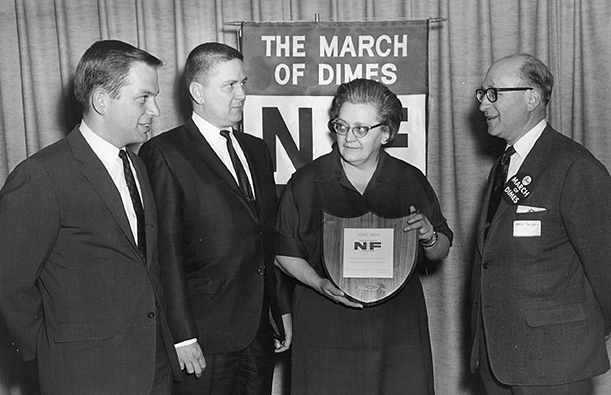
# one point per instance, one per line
(364, 290)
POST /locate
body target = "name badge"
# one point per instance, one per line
(526, 228)
(517, 189)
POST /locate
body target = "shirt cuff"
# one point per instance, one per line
(186, 343)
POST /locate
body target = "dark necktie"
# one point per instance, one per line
(137, 203)
(243, 182)
(500, 177)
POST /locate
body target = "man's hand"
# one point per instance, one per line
(192, 358)
(287, 321)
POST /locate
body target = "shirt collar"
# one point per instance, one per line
(206, 128)
(526, 142)
(107, 152)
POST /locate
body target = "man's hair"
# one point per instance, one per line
(106, 64)
(364, 91)
(203, 58)
(535, 73)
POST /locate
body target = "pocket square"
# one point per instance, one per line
(529, 209)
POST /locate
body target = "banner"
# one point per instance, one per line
(294, 69)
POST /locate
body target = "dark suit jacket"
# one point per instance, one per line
(546, 301)
(215, 252)
(74, 291)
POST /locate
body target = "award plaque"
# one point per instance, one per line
(368, 257)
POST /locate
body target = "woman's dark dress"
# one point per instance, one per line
(383, 349)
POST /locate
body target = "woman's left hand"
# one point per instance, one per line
(419, 221)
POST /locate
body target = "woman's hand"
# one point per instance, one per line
(436, 246)
(326, 288)
(302, 271)
(417, 220)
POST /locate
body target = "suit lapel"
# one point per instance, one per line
(205, 151)
(150, 213)
(537, 157)
(532, 166)
(250, 158)
(255, 174)
(96, 174)
(534, 162)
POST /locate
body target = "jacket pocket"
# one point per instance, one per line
(555, 314)
(83, 331)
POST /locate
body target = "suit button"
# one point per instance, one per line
(151, 314)
(486, 265)
(476, 304)
(487, 225)
(260, 271)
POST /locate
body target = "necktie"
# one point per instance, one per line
(243, 182)
(500, 177)
(137, 203)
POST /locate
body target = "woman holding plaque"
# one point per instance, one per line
(340, 346)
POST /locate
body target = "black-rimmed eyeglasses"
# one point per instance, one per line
(492, 93)
(359, 131)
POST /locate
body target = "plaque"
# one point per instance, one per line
(368, 257)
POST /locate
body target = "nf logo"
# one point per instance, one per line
(365, 245)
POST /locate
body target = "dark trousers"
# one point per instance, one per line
(246, 372)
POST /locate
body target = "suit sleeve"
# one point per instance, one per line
(168, 200)
(586, 213)
(284, 284)
(29, 225)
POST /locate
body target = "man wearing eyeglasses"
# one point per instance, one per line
(541, 283)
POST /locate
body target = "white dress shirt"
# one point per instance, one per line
(109, 155)
(523, 147)
(213, 136)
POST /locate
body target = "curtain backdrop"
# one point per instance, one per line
(42, 40)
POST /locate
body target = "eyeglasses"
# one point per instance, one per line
(359, 131)
(492, 93)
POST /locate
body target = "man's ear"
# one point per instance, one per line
(196, 92)
(534, 99)
(98, 100)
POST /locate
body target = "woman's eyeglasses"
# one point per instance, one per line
(359, 131)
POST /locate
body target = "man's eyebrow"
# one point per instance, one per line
(147, 92)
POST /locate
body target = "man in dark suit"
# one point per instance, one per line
(217, 204)
(79, 287)
(541, 284)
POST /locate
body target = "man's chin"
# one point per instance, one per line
(235, 123)
(492, 131)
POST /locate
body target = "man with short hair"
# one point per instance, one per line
(79, 281)
(216, 199)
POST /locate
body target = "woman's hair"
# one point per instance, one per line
(364, 91)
